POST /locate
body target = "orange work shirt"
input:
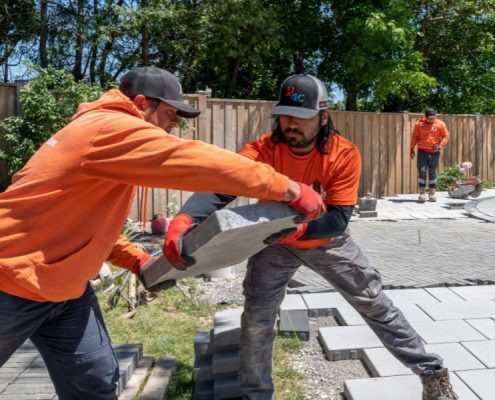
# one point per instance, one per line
(428, 134)
(335, 175)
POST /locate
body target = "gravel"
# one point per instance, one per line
(320, 378)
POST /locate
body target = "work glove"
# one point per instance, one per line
(286, 236)
(173, 246)
(413, 153)
(308, 203)
(437, 147)
(143, 261)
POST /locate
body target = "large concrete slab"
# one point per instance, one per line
(459, 310)
(446, 331)
(347, 342)
(482, 209)
(227, 237)
(406, 387)
(381, 362)
(480, 382)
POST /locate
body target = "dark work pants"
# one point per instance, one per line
(427, 168)
(72, 339)
(341, 263)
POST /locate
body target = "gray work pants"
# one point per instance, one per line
(341, 263)
(427, 168)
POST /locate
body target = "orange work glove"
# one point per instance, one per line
(172, 248)
(413, 153)
(286, 236)
(308, 203)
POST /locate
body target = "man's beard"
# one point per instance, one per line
(297, 139)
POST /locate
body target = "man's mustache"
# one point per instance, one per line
(293, 130)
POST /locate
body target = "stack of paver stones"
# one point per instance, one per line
(216, 366)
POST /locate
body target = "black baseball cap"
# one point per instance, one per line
(430, 112)
(301, 96)
(158, 84)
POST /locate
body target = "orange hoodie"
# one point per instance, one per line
(426, 134)
(62, 215)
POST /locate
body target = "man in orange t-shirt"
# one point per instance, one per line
(430, 135)
(305, 147)
(62, 216)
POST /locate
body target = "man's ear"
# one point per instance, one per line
(140, 102)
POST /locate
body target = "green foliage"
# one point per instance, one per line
(448, 176)
(48, 102)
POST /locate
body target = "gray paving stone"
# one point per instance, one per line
(332, 304)
(160, 375)
(444, 295)
(203, 342)
(243, 227)
(408, 387)
(446, 331)
(293, 302)
(347, 342)
(475, 292)
(480, 382)
(202, 370)
(382, 363)
(227, 330)
(413, 296)
(228, 388)
(413, 313)
(225, 364)
(203, 390)
(134, 383)
(483, 351)
(460, 310)
(294, 322)
(485, 326)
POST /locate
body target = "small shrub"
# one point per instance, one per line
(448, 176)
(48, 102)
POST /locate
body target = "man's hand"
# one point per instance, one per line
(437, 147)
(286, 236)
(413, 153)
(142, 262)
(172, 248)
(308, 203)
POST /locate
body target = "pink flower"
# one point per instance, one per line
(462, 169)
(466, 165)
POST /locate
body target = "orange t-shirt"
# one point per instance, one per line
(334, 175)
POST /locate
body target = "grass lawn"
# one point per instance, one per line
(167, 325)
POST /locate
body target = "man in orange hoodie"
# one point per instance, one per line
(430, 135)
(63, 214)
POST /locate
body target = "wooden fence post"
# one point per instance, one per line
(203, 96)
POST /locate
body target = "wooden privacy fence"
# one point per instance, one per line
(382, 138)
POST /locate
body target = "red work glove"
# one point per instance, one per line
(413, 153)
(172, 248)
(308, 203)
(287, 236)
